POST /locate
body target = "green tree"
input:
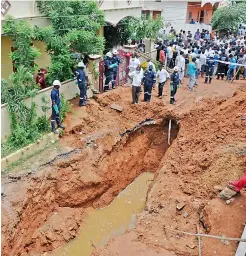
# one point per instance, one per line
(74, 26)
(228, 18)
(140, 28)
(22, 34)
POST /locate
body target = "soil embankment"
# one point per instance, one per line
(42, 210)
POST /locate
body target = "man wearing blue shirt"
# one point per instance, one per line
(81, 80)
(232, 67)
(56, 106)
(115, 60)
(191, 74)
(149, 80)
(209, 68)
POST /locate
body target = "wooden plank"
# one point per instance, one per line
(241, 250)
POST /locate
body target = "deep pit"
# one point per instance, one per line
(77, 183)
(47, 208)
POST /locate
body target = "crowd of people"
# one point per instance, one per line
(202, 54)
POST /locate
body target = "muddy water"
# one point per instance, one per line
(103, 224)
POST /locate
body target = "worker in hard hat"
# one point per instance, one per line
(149, 81)
(174, 84)
(82, 78)
(56, 106)
(108, 70)
(115, 60)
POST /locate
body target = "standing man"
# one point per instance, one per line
(108, 70)
(163, 77)
(174, 84)
(192, 74)
(180, 63)
(133, 64)
(209, 68)
(222, 66)
(56, 107)
(197, 35)
(137, 76)
(115, 60)
(232, 67)
(149, 80)
(203, 59)
(81, 79)
(169, 55)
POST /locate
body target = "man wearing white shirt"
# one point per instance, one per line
(203, 59)
(134, 62)
(180, 63)
(163, 76)
(169, 54)
(137, 77)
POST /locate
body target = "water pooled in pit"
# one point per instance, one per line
(102, 224)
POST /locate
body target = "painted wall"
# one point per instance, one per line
(174, 12)
(194, 11)
(6, 62)
(42, 61)
(68, 88)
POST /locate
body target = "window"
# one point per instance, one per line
(146, 14)
(5, 5)
(156, 14)
(190, 15)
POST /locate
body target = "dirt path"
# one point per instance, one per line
(42, 210)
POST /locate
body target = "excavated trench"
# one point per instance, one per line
(92, 177)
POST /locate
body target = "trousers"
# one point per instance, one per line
(221, 71)
(160, 88)
(55, 118)
(82, 94)
(174, 88)
(203, 68)
(230, 73)
(135, 93)
(147, 92)
(181, 75)
(114, 77)
(209, 74)
(109, 78)
(192, 81)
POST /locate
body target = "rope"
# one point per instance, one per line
(204, 235)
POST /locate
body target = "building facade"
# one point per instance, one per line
(176, 13)
(115, 10)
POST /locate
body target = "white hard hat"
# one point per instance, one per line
(176, 68)
(56, 82)
(109, 54)
(81, 64)
(115, 51)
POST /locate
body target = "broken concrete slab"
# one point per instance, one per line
(117, 107)
(180, 206)
(227, 193)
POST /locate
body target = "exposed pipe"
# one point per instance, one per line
(169, 131)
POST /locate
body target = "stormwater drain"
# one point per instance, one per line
(102, 224)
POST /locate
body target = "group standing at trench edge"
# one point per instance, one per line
(203, 54)
(189, 56)
(137, 77)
